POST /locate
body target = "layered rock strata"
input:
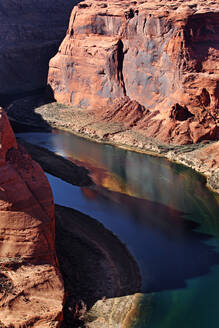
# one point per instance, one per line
(31, 31)
(152, 65)
(31, 288)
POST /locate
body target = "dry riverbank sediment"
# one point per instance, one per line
(202, 157)
(91, 272)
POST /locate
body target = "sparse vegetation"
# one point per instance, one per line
(6, 263)
(6, 285)
(10, 262)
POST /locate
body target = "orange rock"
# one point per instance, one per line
(163, 55)
(31, 288)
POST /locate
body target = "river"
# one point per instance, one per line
(164, 214)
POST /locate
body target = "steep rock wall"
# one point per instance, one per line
(31, 289)
(162, 54)
(31, 31)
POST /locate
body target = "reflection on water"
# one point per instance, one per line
(165, 245)
(164, 214)
(138, 175)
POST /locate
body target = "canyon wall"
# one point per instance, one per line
(153, 64)
(31, 31)
(31, 288)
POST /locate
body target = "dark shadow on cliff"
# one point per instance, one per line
(94, 263)
(169, 250)
(201, 34)
(31, 35)
(29, 89)
(22, 114)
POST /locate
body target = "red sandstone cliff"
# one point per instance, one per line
(151, 64)
(31, 31)
(31, 289)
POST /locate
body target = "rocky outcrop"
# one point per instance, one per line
(153, 62)
(31, 31)
(120, 312)
(31, 289)
(204, 160)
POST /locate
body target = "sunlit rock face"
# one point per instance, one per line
(31, 289)
(163, 55)
(31, 31)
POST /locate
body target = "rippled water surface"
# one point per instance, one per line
(166, 216)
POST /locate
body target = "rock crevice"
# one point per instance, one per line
(159, 54)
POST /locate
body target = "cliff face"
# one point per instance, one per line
(159, 56)
(31, 289)
(31, 31)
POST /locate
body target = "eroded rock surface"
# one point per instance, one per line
(121, 312)
(152, 65)
(204, 160)
(31, 289)
(31, 31)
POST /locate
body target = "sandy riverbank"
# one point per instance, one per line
(202, 157)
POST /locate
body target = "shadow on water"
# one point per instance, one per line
(161, 211)
(160, 230)
(169, 250)
(94, 263)
(164, 242)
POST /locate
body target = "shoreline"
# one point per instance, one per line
(58, 165)
(82, 124)
(102, 309)
(96, 268)
(212, 178)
